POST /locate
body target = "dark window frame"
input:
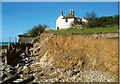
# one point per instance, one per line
(66, 20)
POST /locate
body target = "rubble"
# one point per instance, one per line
(9, 73)
(69, 58)
(65, 58)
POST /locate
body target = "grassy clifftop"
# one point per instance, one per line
(88, 30)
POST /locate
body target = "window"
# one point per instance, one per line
(66, 20)
(57, 28)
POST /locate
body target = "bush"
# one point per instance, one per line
(104, 21)
(37, 30)
(92, 19)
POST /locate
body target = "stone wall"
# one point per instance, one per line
(26, 39)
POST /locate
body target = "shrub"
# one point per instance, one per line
(37, 30)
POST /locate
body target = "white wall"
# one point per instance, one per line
(84, 20)
(60, 22)
(68, 24)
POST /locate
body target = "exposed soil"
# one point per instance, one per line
(73, 58)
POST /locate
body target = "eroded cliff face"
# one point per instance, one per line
(73, 58)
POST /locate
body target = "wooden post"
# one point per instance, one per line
(10, 80)
(31, 78)
(15, 39)
(27, 50)
(9, 39)
(9, 44)
(8, 47)
(5, 59)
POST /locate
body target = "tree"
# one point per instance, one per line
(108, 21)
(74, 23)
(104, 21)
(116, 19)
(37, 30)
(92, 19)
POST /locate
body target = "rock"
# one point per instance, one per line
(74, 72)
(1, 75)
(72, 58)
(79, 27)
(42, 74)
(26, 69)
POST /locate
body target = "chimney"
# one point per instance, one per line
(72, 12)
(61, 13)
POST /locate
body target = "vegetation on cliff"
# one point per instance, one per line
(95, 21)
(89, 30)
(104, 21)
(37, 30)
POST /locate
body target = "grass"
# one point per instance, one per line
(88, 30)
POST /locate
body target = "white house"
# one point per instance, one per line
(84, 20)
(64, 22)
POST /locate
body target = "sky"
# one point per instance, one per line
(60, 0)
(19, 17)
(0, 21)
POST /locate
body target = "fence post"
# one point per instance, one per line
(15, 39)
(9, 44)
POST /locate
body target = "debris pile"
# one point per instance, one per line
(73, 58)
(11, 74)
(70, 58)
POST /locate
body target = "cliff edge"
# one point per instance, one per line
(73, 58)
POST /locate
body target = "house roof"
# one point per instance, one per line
(24, 35)
(69, 16)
